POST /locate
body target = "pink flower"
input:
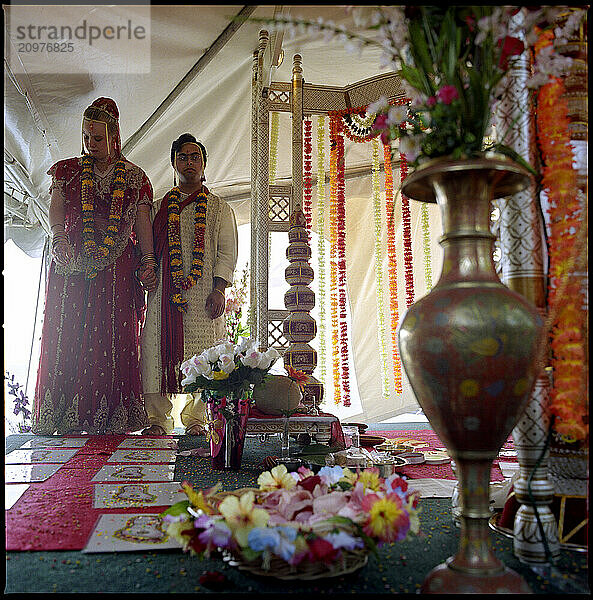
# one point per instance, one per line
(321, 550)
(380, 121)
(431, 101)
(447, 94)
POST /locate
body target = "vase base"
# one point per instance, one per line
(445, 580)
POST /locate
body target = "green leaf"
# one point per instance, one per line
(515, 156)
(179, 508)
(250, 555)
(420, 48)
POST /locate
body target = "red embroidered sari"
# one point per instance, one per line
(89, 376)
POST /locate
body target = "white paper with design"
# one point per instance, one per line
(142, 455)
(47, 455)
(55, 442)
(143, 442)
(29, 473)
(122, 473)
(130, 532)
(133, 495)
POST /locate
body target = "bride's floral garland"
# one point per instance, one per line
(174, 236)
(88, 211)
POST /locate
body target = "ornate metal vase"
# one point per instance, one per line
(227, 427)
(469, 351)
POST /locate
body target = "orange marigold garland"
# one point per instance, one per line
(333, 228)
(565, 301)
(392, 261)
(407, 237)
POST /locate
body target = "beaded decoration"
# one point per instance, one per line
(379, 266)
(321, 243)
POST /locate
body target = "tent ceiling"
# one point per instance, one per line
(43, 110)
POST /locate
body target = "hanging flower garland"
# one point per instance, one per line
(274, 128)
(321, 241)
(426, 246)
(379, 267)
(307, 181)
(88, 211)
(407, 237)
(392, 261)
(333, 229)
(174, 238)
(569, 396)
(341, 255)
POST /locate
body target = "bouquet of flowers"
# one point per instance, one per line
(297, 522)
(227, 369)
(453, 61)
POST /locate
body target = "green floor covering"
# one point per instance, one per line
(399, 568)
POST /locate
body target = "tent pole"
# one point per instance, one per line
(204, 60)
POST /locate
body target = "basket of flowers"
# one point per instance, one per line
(297, 525)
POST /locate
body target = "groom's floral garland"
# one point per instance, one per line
(174, 237)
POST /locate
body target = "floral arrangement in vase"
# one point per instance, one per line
(226, 374)
(297, 522)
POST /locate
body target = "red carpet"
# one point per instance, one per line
(58, 513)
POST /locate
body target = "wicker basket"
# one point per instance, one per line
(349, 561)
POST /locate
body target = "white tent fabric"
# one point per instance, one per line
(43, 123)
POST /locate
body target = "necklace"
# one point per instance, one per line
(88, 211)
(174, 237)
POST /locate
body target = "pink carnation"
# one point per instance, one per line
(447, 94)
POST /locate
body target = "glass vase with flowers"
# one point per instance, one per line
(226, 374)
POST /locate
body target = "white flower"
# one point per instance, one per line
(251, 359)
(410, 146)
(191, 377)
(227, 363)
(397, 114)
(212, 354)
(201, 364)
(268, 357)
(378, 106)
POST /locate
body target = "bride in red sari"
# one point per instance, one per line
(103, 260)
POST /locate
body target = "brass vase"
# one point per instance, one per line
(469, 351)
